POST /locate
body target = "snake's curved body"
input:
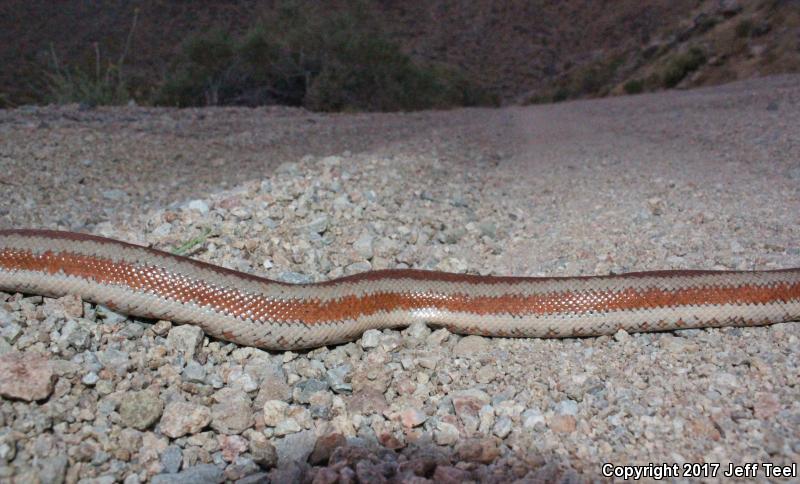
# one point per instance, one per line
(254, 311)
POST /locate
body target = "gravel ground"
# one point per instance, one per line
(697, 179)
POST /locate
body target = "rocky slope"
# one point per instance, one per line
(523, 51)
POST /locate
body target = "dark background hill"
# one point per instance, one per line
(521, 51)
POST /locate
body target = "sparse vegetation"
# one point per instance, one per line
(592, 79)
(634, 86)
(367, 55)
(323, 62)
(596, 78)
(681, 65)
(204, 74)
(561, 94)
(103, 85)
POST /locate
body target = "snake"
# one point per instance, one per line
(254, 311)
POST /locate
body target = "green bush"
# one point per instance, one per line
(634, 86)
(681, 65)
(592, 79)
(561, 94)
(299, 56)
(77, 86)
(204, 72)
(105, 86)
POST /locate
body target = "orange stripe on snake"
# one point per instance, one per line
(255, 311)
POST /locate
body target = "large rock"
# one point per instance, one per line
(141, 409)
(182, 418)
(25, 376)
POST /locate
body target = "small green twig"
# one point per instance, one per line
(187, 246)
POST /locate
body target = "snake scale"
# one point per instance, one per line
(254, 311)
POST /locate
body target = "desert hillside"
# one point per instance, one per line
(520, 51)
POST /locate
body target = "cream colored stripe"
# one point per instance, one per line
(118, 252)
(609, 322)
(298, 335)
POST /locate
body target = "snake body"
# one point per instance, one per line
(254, 311)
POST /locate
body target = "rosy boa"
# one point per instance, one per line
(254, 311)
